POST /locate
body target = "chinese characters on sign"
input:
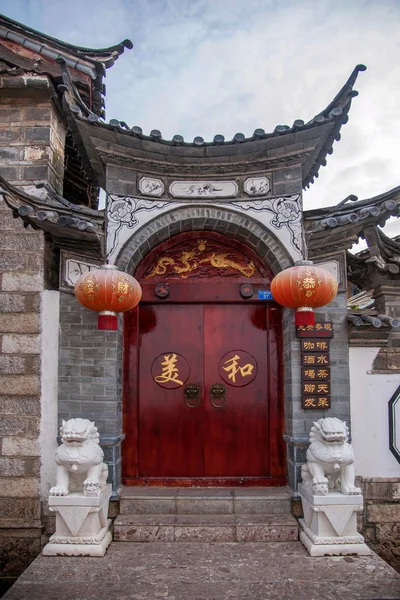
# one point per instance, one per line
(315, 369)
(315, 359)
(319, 330)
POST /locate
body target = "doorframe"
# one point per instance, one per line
(205, 294)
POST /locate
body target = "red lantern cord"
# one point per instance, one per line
(108, 291)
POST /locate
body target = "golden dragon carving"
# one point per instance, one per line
(188, 263)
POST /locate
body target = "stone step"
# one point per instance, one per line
(205, 528)
(204, 501)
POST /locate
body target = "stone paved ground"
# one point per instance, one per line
(200, 571)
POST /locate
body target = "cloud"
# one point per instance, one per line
(201, 67)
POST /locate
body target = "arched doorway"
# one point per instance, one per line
(203, 398)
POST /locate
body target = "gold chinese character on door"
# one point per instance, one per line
(238, 368)
(170, 370)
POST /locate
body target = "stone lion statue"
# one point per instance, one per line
(330, 459)
(79, 460)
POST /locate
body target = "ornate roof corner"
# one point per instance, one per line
(336, 111)
(382, 257)
(70, 226)
(383, 252)
(38, 53)
(342, 225)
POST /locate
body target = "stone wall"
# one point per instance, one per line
(31, 151)
(22, 280)
(380, 521)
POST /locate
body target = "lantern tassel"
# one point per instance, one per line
(107, 320)
(304, 316)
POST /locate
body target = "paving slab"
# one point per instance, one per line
(207, 571)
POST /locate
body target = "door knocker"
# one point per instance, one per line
(191, 395)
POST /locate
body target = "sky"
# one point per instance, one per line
(202, 67)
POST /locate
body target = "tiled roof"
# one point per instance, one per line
(341, 226)
(71, 226)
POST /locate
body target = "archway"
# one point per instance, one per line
(220, 219)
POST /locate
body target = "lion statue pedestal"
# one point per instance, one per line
(81, 495)
(328, 493)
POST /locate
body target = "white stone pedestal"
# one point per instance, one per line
(329, 526)
(82, 527)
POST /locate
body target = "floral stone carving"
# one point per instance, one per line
(328, 493)
(81, 495)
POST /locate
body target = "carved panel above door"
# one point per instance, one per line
(202, 257)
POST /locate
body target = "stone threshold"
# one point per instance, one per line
(225, 501)
(206, 492)
(205, 528)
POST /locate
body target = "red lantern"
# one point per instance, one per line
(108, 291)
(304, 287)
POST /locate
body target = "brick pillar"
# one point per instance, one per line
(32, 133)
(31, 149)
(299, 421)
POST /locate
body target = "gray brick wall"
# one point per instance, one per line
(90, 377)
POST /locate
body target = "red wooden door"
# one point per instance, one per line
(235, 355)
(219, 437)
(196, 326)
(171, 433)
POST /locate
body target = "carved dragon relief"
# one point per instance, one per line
(200, 258)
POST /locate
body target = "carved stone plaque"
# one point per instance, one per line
(203, 189)
(74, 269)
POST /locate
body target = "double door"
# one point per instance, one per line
(208, 391)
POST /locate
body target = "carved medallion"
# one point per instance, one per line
(238, 368)
(150, 186)
(246, 290)
(170, 370)
(256, 186)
